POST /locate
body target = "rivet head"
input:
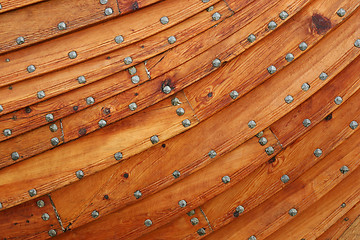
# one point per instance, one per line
(289, 57)
(318, 152)
(252, 237)
(260, 134)
(108, 11)
(79, 174)
(272, 25)
(90, 100)
(271, 69)
(20, 40)
(212, 154)
(40, 94)
(305, 86)
(180, 111)
(323, 76)
(303, 46)
(216, 16)
(40, 203)
(148, 222)
(119, 39)
(102, 123)
(175, 101)
(62, 26)
(154, 139)
(164, 20)
(209, 9)
(81, 79)
(32, 192)
(186, 123)
(338, 100)
(54, 141)
(31, 68)
(194, 221)
(118, 156)
(182, 203)
(0, 6)
(192, 212)
(132, 70)
(53, 127)
(285, 178)
(132, 106)
(289, 99)
(353, 125)
(225, 179)
(344, 169)
(172, 39)
(128, 60)
(283, 15)
(7, 132)
(357, 43)
(343, 205)
(263, 141)
(49, 117)
(234, 94)
(95, 214)
(135, 79)
(269, 150)
(52, 233)
(216, 62)
(137, 194)
(205, 1)
(103, 2)
(166, 89)
(72, 54)
(306, 122)
(341, 12)
(251, 38)
(252, 124)
(201, 232)
(15, 156)
(176, 174)
(293, 212)
(240, 209)
(45, 216)
(1, 108)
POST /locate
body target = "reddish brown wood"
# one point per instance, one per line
(13, 4)
(126, 6)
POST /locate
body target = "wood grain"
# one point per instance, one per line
(13, 4)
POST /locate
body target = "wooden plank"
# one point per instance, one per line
(163, 206)
(92, 153)
(13, 4)
(53, 55)
(353, 232)
(127, 6)
(26, 221)
(39, 26)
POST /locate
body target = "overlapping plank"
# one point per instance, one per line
(13, 4)
(38, 26)
(127, 6)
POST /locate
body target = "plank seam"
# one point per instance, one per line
(195, 116)
(62, 131)
(207, 220)
(56, 213)
(277, 139)
(232, 11)
(147, 70)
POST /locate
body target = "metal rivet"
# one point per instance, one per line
(79, 174)
(62, 26)
(102, 123)
(154, 139)
(1, 108)
(103, 2)
(201, 232)
(52, 233)
(137, 194)
(118, 156)
(205, 1)
(318, 152)
(251, 38)
(271, 69)
(260, 134)
(283, 15)
(72, 54)
(209, 9)
(225, 179)
(343, 205)
(132, 70)
(49, 117)
(40, 94)
(289, 99)
(272, 25)
(357, 43)
(338, 100)
(292, 212)
(45, 216)
(32, 192)
(95, 214)
(53, 127)
(81, 79)
(353, 125)
(216, 16)
(263, 141)
(306, 122)
(132, 106)
(31, 68)
(323, 76)
(305, 86)
(341, 12)
(90, 100)
(344, 169)
(135, 79)
(234, 94)
(0, 6)
(216, 62)
(212, 154)
(164, 20)
(176, 174)
(40, 203)
(194, 221)
(148, 222)
(119, 39)
(108, 11)
(7, 132)
(269, 150)
(192, 212)
(15, 156)
(186, 123)
(180, 111)
(166, 89)
(182, 203)
(175, 101)
(252, 124)
(20, 40)
(252, 237)
(240, 209)
(128, 60)
(285, 178)
(54, 141)
(172, 39)
(303, 46)
(289, 57)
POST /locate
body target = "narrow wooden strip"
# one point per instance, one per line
(33, 23)
(13, 4)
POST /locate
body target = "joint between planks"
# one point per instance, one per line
(207, 220)
(195, 116)
(232, 11)
(62, 130)
(56, 213)
(277, 139)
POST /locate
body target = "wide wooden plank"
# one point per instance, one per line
(13, 4)
(39, 27)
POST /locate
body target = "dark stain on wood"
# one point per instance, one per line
(82, 131)
(320, 24)
(28, 110)
(328, 117)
